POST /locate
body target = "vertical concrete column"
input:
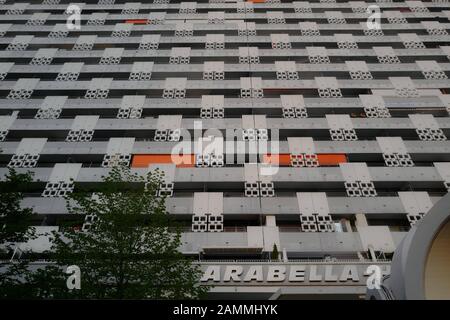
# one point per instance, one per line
(271, 221)
(361, 220)
(346, 223)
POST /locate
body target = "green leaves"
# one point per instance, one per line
(275, 255)
(15, 221)
(131, 250)
(15, 227)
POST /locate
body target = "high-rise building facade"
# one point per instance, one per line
(317, 129)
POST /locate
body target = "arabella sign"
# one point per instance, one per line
(289, 273)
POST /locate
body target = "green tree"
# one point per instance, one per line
(129, 252)
(275, 255)
(15, 227)
(15, 221)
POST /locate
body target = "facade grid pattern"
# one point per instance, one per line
(355, 119)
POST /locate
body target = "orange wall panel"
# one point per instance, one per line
(137, 21)
(144, 160)
(331, 159)
(325, 159)
(283, 159)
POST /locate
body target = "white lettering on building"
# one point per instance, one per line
(287, 273)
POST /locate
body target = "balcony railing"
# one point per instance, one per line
(325, 261)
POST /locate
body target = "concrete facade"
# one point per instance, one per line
(353, 120)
